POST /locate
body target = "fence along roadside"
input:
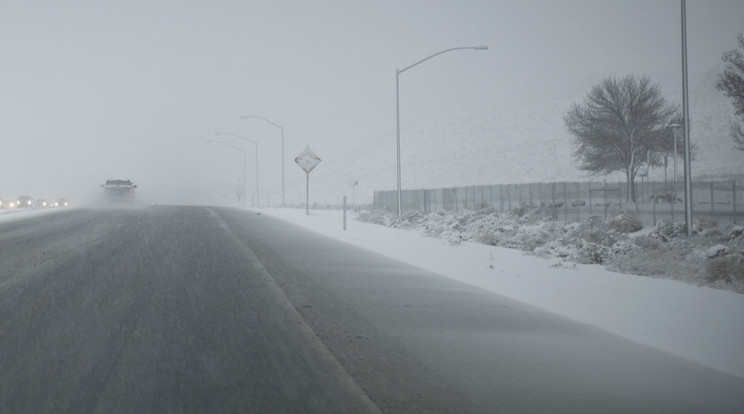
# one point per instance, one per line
(573, 201)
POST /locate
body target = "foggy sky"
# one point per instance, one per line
(94, 89)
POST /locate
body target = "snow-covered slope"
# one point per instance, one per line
(508, 143)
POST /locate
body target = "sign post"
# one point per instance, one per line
(307, 160)
(240, 192)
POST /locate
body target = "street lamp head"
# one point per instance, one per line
(482, 47)
(265, 119)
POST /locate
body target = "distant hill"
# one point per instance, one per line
(517, 143)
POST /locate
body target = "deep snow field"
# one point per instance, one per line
(696, 322)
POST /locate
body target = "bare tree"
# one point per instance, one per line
(621, 126)
(731, 83)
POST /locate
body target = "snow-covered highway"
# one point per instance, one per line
(202, 309)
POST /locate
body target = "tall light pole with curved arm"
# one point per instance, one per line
(282, 129)
(686, 124)
(239, 149)
(258, 199)
(397, 104)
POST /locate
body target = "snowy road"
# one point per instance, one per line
(195, 309)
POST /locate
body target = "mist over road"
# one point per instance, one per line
(197, 309)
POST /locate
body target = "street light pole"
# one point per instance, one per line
(686, 125)
(674, 162)
(241, 150)
(282, 129)
(258, 198)
(397, 107)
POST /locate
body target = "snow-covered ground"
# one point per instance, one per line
(697, 323)
(20, 213)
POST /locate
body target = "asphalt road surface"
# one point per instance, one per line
(209, 310)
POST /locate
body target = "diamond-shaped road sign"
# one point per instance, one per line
(307, 160)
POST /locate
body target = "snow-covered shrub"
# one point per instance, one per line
(375, 216)
(625, 222)
(595, 220)
(493, 235)
(713, 256)
(600, 236)
(530, 237)
(487, 238)
(519, 211)
(592, 253)
(624, 246)
(436, 224)
(667, 230)
(711, 233)
(645, 262)
(537, 215)
(705, 225)
(408, 220)
(727, 269)
(556, 248)
(718, 250)
(647, 242)
(681, 246)
(736, 233)
(462, 221)
(594, 230)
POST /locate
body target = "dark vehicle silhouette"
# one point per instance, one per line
(119, 189)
